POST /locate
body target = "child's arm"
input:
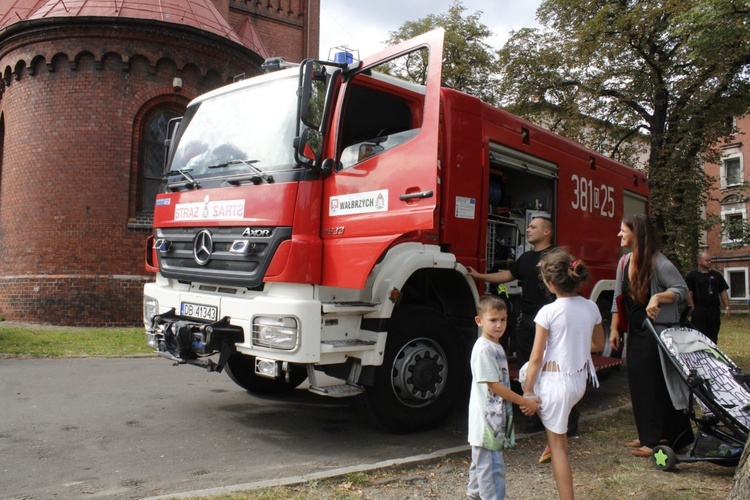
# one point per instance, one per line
(597, 338)
(535, 359)
(528, 405)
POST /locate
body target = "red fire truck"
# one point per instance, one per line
(316, 221)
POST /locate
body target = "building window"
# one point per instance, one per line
(152, 157)
(147, 156)
(738, 285)
(147, 160)
(734, 229)
(731, 171)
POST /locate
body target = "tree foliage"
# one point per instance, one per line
(674, 71)
(468, 61)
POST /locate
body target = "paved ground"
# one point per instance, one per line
(131, 428)
(134, 428)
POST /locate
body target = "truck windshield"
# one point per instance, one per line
(247, 130)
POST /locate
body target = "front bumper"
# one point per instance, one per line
(190, 341)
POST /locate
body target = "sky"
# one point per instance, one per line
(365, 25)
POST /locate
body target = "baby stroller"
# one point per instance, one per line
(721, 391)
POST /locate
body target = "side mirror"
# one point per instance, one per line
(309, 148)
(313, 94)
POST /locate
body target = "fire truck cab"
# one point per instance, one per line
(318, 220)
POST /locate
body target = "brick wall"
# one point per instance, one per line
(729, 256)
(98, 300)
(288, 28)
(71, 94)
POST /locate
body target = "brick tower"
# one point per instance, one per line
(86, 91)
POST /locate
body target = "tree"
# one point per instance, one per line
(673, 70)
(741, 484)
(468, 62)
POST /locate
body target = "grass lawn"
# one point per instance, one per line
(25, 340)
(734, 340)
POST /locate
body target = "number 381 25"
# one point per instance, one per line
(589, 198)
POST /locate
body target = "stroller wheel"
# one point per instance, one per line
(664, 458)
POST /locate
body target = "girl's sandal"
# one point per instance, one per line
(546, 456)
(636, 443)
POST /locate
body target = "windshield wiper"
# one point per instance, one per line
(247, 163)
(191, 182)
(256, 179)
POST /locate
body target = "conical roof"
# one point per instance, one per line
(201, 14)
(251, 39)
(12, 11)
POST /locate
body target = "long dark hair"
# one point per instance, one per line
(646, 245)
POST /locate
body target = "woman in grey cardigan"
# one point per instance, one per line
(653, 288)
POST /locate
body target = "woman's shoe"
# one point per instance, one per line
(636, 443)
(546, 456)
(643, 451)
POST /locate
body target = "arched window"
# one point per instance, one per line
(152, 159)
(149, 133)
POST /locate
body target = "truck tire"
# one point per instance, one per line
(241, 369)
(424, 372)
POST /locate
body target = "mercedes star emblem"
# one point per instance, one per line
(203, 245)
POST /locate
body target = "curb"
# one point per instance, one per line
(425, 458)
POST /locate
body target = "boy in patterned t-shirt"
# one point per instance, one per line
(490, 408)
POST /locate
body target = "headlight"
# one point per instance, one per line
(275, 332)
(150, 309)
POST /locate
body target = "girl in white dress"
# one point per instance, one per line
(560, 363)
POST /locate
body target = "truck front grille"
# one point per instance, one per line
(177, 260)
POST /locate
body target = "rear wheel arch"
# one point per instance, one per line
(445, 290)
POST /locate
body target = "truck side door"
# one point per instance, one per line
(385, 184)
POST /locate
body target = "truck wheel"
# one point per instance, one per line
(423, 375)
(241, 369)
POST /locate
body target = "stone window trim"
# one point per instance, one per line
(731, 158)
(732, 206)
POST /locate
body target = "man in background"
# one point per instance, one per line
(534, 294)
(707, 296)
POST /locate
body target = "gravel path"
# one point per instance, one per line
(447, 478)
